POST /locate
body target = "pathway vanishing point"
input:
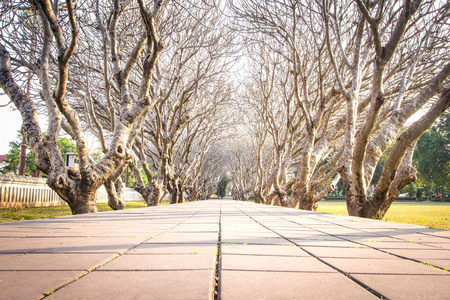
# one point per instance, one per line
(221, 249)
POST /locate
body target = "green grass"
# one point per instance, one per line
(429, 214)
(11, 215)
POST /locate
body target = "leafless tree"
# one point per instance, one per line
(384, 60)
(59, 37)
(193, 88)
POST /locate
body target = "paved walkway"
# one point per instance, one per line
(264, 252)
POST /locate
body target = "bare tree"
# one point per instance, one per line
(193, 89)
(384, 60)
(58, 30)
(406, 41)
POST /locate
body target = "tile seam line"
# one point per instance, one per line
(72, 280)
(361, 284)
(362, 231)
(218, 270)
(378, 249)
(280, 271)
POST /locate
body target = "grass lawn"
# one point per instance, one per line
(429, 214)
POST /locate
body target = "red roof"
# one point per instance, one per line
(2, 158)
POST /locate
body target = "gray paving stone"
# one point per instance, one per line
(257, 241)
(146, 262)
(272, 263)
(276, 250)
(53, 262)
(424, 238)
(445, 246)
(96, 244)
(26, 245)
(240, 234)
(174, 248)
(181, 237)
(408, 286)
(440, 233)
(324, 243)
(140, 285)
(442, 263)
(32, 284)
(398, 245)
(289, 285)
(353, 252)
(4, 256)
(421, 254)
(382, 266)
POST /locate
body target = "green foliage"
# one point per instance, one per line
(222, 186)
(410, 189)
(13, 159)
(13, 156)
(65, 146)
(97, 154)
(432, 155)
(132, 179)
(380, 166)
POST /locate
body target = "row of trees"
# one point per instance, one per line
(331, 87)
(96, 68)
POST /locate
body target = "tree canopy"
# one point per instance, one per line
(290, 97)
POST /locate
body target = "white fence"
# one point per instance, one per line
(22, 191)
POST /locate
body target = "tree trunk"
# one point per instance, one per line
(153, 199)
(116, 194)
(83, 203)
(79, 195)
(180, 198)
(193, 195)
(174, 195)
(258, 196)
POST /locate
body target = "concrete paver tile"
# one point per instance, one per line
(257, 241)
(445, 246)
(140, 285)
(398, 245)
(382, 266)
(25, 245)
(147, 262)
(4, 256)
(441, 263)
(314, 237)
(422, 253)
(324, 243)
(181, 237)
(97, 244)
(31, 284)
(440, 233)
(174, 248)
(275, 250)
(53, 262)
(408, 286)
(289, 285)
(347, 252)
(272, 263)
(424, 238)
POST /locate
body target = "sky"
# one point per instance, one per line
(10, 122)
